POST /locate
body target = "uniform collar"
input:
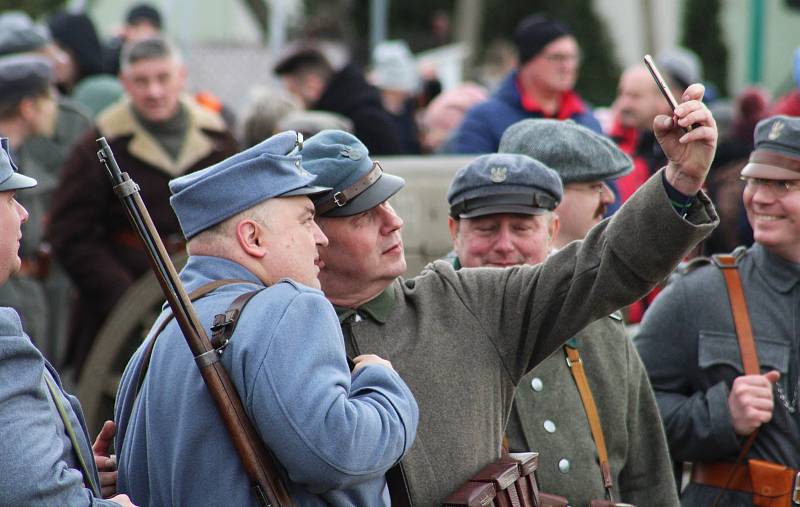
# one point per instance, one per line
(377, 308)
(569, 105)
(777, 271)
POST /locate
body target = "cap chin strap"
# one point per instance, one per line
(342, 197)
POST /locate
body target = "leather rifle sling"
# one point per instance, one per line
(729, 265)
(579, 374)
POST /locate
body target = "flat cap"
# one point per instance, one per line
(342, 162)
(576, 153)
(10, 178)
(24, 76)
(504, 183)
(777, 149)
(269, 169)
(19, 34)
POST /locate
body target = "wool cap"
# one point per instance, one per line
(19, 34)
(269, 169)
(576, 153)
(342, 162)
(777, 149)
(681, 64)
(143, 13)
(10, 178)
(394, 67)
(535, 32)
(504, 183)
(23, 76)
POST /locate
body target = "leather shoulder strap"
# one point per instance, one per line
(193, 296)
(579, 374)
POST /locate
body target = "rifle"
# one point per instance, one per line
(258, 463)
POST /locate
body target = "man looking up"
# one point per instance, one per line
(464, 339)
(540, 87)
(250, 226)
(156, 135)
(550, 414)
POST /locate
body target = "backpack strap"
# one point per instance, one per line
(193, 296)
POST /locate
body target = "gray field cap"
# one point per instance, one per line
(576, 153)
(504, 183)
(10, 178)
(24, 76)
(19, 34)
(777, 149)
(269, 169)
(342, 162)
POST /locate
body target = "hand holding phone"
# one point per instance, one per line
(662, 85)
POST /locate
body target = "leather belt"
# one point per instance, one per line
(341, 198)
(130, 239)
(717, 474)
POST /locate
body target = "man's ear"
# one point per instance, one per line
(452, 225)
(250, 236)
(553, 227)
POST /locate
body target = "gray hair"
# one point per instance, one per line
(148, 49)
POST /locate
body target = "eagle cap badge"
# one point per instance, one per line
(776, 130)
(498, 174)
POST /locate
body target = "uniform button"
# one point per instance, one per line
(563, 465)
(536, 384)
(549, 426)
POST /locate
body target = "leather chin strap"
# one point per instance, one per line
(342, 197)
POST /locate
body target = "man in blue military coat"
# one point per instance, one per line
(46, 456)
(249, 220)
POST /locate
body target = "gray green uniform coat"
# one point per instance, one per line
(688, 343)
(462, 340)
(548, 417)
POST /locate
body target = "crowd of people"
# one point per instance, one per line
(368, 387)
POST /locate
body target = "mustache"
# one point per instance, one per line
(600, 212)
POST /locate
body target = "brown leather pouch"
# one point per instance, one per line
(548, 500)
(527, 489)
(503, 475)
(472, 494)
(772, 483)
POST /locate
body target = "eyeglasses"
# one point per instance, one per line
(779, 188)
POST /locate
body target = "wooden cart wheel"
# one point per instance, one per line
(123, 331)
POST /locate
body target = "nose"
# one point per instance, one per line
(390, 221)
(763, 194)
(503, 242)
(23, 213)
(607, 195)
(319, 237)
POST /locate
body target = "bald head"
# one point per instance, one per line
(638, 99)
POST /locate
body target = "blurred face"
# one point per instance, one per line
(44, 115)
(773, 209)
(364, 254)
(502, 239)
(555, 68)
(306, 87)
(583, 207)
(12, 216)
(292, 240)
(154, 86)
(638, 99)
(140, 30)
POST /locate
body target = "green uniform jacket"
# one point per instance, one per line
(462, 340)
(548, 417)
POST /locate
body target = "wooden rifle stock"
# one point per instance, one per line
(258, 463)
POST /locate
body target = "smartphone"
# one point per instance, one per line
(662, 84)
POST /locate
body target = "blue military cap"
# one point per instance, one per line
(269, 169)
(777, 149)
(10, 178)
(504, 183)
(576, 153)
(342, 162)
(24, 76)
(19, 34)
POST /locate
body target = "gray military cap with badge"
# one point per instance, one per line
(24, 76)
(504, 183)
(10, 177)
(272, 168)
(19, 34)
(777, 149)
(342, 162)
(576, 153)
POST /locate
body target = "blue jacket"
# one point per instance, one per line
(334, 432)
(484, 124)
(39, 467)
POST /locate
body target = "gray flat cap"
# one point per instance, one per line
(19, 34)
(24, 76)
(503, 183)
(576, 153)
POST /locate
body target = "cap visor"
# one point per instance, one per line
(503, 208)
(386, 186)
(770, 172)
(17, 181)
(310, 191)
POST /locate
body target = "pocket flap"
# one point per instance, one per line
(716, 348)
(770, 479)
